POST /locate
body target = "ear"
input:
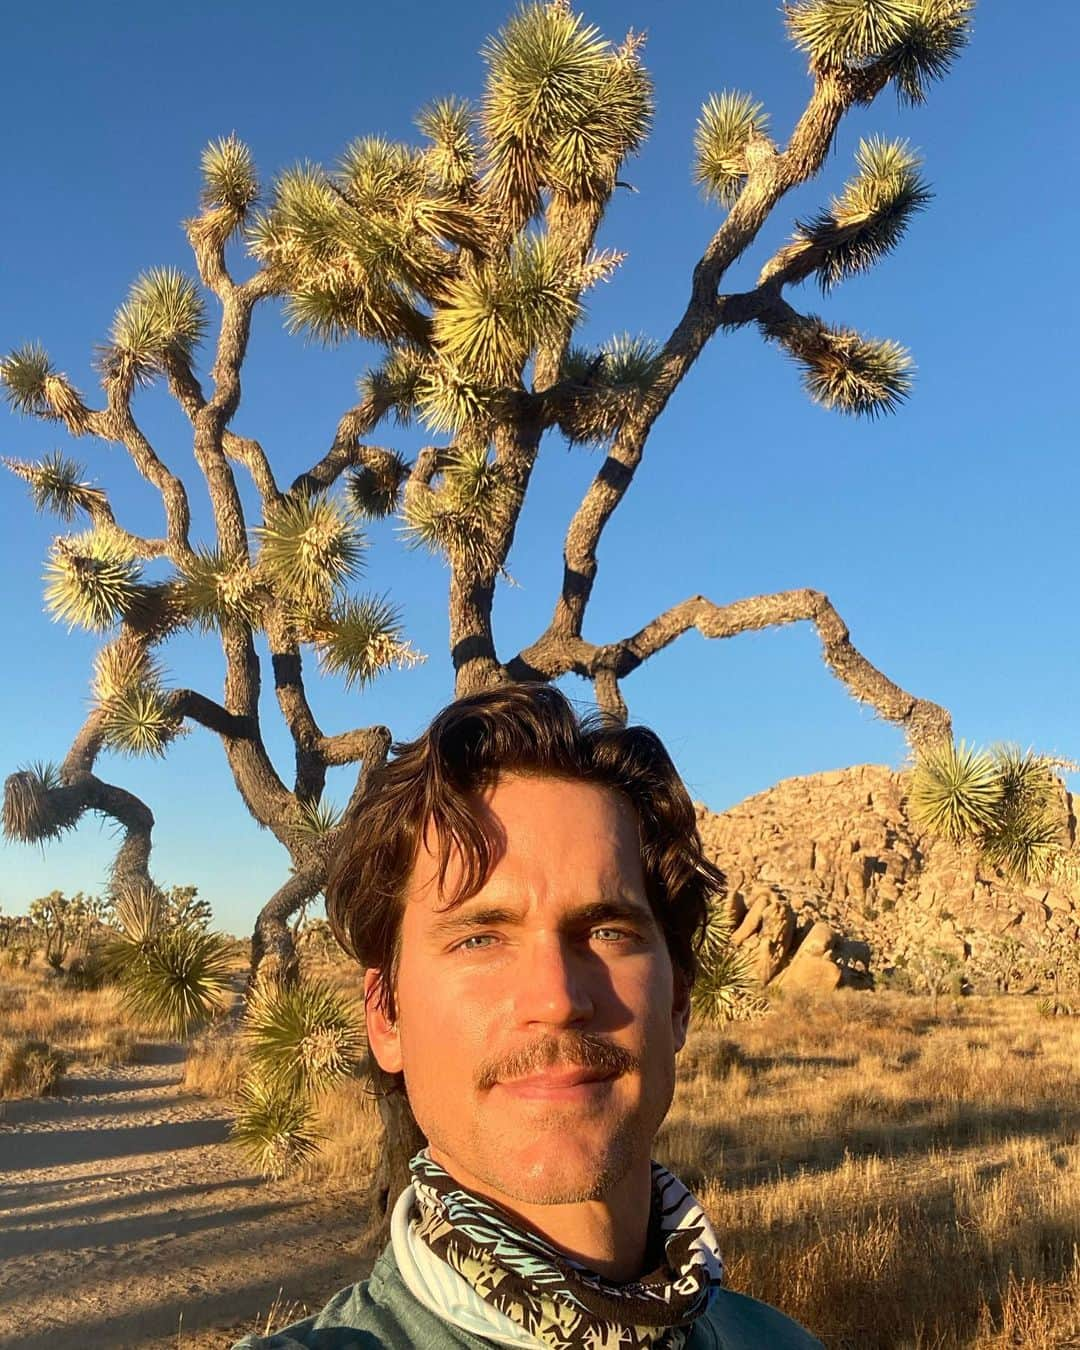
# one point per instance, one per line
(680, 1009)
(382, 1034)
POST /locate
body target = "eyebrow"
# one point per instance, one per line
(485, 916)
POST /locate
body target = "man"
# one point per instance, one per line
(526, 893)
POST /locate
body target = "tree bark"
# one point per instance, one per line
(273, 951)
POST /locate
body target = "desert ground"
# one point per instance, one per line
(892, 1173)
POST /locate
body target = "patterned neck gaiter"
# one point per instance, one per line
(553, 1299)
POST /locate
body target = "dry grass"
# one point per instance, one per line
(76, 1025)
(215, 1063)
(889, 1176)
(29, 1069)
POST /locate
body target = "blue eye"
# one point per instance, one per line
(463, 946)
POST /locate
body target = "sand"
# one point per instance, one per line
(126, 1219)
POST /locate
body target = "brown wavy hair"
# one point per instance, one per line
(524, 729)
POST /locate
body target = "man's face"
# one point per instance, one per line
(538, 1022)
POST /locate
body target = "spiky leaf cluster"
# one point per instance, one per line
(864, 377)
(91, 580)
(374, 487)
(56, 484)
(913, 41)
(1030, 826)
(491, 317)
(308, 548)
(138, 714)
(229, 179)
(139, 913)
(955, 791)
(275, 1130)
(395, 385)
(176, 979)
(162, 317)
(939, 31)
(23, 374)
(449, 124)
(357, 251)
(229, 190)
(1008, 802)
(35, 808)
(869, 218)
(360, 638)
(140, 721)
(605, 387)
(461, 515)
(724, 979)
(215, 589)
(122, 666)
(450, 400)
(725, 127)
(302, 1038)
(317, 820)
(561, 110)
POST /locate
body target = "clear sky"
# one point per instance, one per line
(945, 535)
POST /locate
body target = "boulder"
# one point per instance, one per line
(818, 940)
(812, 974)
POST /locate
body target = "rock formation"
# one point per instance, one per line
(829, 883)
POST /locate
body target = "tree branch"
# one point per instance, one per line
(378, 747)
(345, 452)
(924, 723)
(207, 713)
(771, 174)
(118, 424)
(98, 509)
(34, 811)
(367, 744)
(186, 389)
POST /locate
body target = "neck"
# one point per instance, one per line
(608, 1235)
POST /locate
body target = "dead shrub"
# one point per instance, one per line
(30, 1069)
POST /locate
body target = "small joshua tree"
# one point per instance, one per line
(1006, 802)
(467, 259)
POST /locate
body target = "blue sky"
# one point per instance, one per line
(945, 535)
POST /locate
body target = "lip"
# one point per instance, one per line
(564, 1085)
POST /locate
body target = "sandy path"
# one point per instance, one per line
(123, 1207)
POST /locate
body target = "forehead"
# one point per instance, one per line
(553, 837)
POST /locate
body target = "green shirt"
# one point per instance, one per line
(382, 1311)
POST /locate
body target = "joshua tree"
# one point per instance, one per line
(467, 259)
(1008, 803)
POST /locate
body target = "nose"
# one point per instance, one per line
(556, 986)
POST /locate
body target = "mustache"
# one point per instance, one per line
(577, 1052)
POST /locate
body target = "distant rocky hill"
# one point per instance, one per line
(829, 883)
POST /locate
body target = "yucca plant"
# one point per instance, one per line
(57, 485)
(1006, 801)
(318, 820)
(727, 123)
(955, 791)
(866, 222)
(92, 580)
(724, 989)
(275, 1128)
(176, 977)
(213, 589)
(37, 805)
(302, 1039)
(308, 548)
